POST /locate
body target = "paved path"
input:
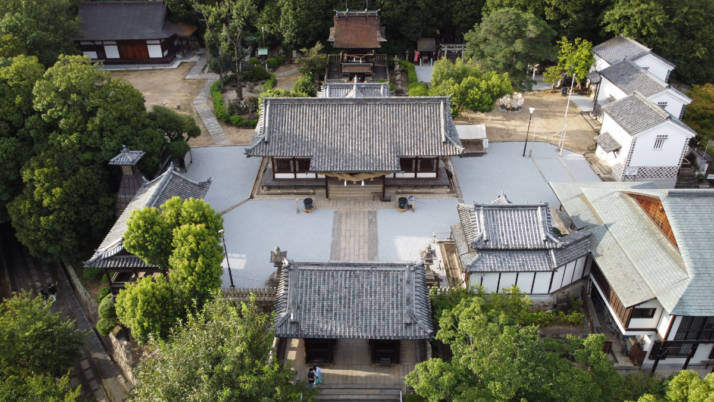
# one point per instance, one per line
(132, 67)
(286, 72)
(354, 236)
(95, 370)
(207, 117)
(196, 72)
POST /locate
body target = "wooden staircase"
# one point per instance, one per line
(358, 393)
(370, 190)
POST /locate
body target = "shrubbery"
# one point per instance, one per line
(416, 88)
(219, 109)
(275, 61)
(107, 315)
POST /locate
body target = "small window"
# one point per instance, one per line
(427, 165)
(659, 142)
(643, 312)
(302, 165)
(282, 165)
(406, 164)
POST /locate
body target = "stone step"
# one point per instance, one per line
(354, 393)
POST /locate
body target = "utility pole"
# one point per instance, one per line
(225, 252)
(530, 110)
(565, 118)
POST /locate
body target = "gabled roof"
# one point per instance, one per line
(620, 48)
(124, 20)
(126, 157)
(152, 194)
(638, 260)
(355, 134)
(630, 78)
(636, 114)
(353, 300)
(354, 90)
(502, 237)
(357, 30)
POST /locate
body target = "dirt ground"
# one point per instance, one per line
(546, 125)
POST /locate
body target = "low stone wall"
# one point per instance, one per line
(89, 305)
(123, 356)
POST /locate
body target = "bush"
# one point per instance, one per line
(103, 292)
(104, 326)
(256, 73)
(106, 308)
(305, 85)
(239, 121)
(418, 89)
(276, 61)
(410, 69)
(219, 107)
(92, 274)
(270, 83)
(250, 104)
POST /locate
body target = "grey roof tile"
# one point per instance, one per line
(620, 48)
(353, 300)
(152, 194)
(630, 78)
(355, 134)
(126, 157)
(354, 90)
(636, 114)
(124, 20)
(607, 143)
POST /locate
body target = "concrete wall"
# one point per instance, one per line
(655, 66)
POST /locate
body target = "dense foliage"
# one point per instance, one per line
(221, 353)
(574, 59)
(508, 41)
(699, 115)
(497, 355)
(183, 236)
(469, 87)
(686, 386)
(37, 348)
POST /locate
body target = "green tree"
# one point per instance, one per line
(304, 22)
(574, 58)
(148, 307)
(176, 127)
(196, 261)
(535, 7)
(38, 387)
(18, 123)
(497, 355)
(107, 315)
(686, 386)
(35, 339)
(313, 61)
(576, 18)
(305, 85)
(42, 28)
(221, 353)
(508, 41)
(699, 114)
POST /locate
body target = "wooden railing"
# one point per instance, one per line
(623, 314)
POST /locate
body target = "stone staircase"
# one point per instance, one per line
(370, 190)
(358, 393)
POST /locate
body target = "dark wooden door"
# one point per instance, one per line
(133, 50)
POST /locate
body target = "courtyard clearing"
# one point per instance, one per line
(368, 230)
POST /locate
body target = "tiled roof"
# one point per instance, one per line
(620, 48)
(354, 90)
(152, 194)
(607, 143)
(356, 30)
(124, 20)
(502, 237)
(355, 134)
(353, 300)
(637, 259)
(636, 114)
(630, 78)
(126, 157)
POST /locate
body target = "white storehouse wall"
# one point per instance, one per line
(655, 66)
(674, 104)
(609, 90)
(669, 154)
(620, 135)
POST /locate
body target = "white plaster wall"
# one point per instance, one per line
(675, 105)
(647, 322)
(608, 89)
(557, 278)
(670, 154)
(655, 66)
(474, 280)
(701, 354)
(508, 279)
(663, 323)
(490, 282)
(542, 281)
(579, 267)
(618, 133)
(675, 327)
(525, 280)
(568, 276)
(600, 64)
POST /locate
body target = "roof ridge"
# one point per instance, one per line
(651, 105)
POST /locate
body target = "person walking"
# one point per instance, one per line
(311, 378)
(318, 374)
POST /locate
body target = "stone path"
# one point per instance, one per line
(165, 66)
(354, 236)
(196, 72)
(207, 117)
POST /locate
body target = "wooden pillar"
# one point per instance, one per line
(689, 357)
(384, 188)
(327, 189)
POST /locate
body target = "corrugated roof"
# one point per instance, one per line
(620, 48)
(355, 134)
(637, 259)
(354, 90)
(152, 194)
(503, 237)
(353, 300)
(125, 20)
(356, 30)
(630, 78)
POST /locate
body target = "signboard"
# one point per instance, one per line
(262, 51)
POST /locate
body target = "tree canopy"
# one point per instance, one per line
(574, 58)
(221, 353)
(498, 356)
(699, 115)
(183, 237)
(508, 41)
(42, 28)
(686, 386)
(37, 348)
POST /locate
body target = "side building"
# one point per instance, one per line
(653, 267)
